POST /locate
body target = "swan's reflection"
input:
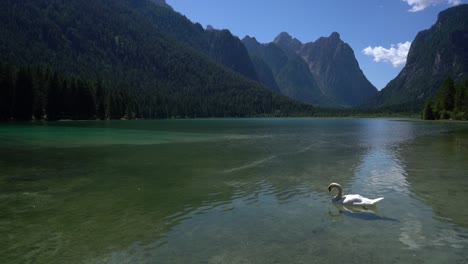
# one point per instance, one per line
(361, 212)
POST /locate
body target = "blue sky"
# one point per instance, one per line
(370, 27)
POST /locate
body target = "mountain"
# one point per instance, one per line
(162, 3)
(220, 45)
(229, 51)
(286, 42)
(435, 54)
(324, 72)
(290, 72)
(153, 62)
(333, 64)
(265, 75)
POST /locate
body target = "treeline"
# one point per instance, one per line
(112, 61)
(38, 92)
(451, 102)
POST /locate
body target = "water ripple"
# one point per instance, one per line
(267, 159)
(250, 165)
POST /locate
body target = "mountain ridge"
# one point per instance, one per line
(435, 54)
(332, 78)
(290, 72)
(162, 3)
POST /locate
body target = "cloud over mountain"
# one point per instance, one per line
(418, 5)
(395, 54)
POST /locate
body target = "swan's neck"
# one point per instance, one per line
(340, 193)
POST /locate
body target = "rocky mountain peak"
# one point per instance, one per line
(335, 36)
(249, 38)
(334, 65)
(323, 72)
(283, 39)
(286, 42)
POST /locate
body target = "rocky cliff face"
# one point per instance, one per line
(334, 66)
(324, 72)
(435, 54)
(229, 51)
(289, 71)
(287, 42)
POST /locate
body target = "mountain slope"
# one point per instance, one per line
(220, 45)
(264, 74)
(324, 72)
(290, 72)
(162, 3)
(334, 66)
(435, 54)
(114, 42)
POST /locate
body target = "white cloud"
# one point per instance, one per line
(418, 5)
(395, 55)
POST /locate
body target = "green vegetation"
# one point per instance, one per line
(451, 102)
(41, 93)
(112, 59)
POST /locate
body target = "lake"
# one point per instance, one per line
(233, 191)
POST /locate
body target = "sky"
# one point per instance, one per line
(379, 31)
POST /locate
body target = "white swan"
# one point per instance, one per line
(351, 199)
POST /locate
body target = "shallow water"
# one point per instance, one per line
(232, 191)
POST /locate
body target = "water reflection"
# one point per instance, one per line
(399, 167)
(380, 171)
(364, 213)
(350, 210)
(437, 168)
(357, 209)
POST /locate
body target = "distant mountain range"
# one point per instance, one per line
(324, 72)
(285, 72)
(435, 54)
(168, 66)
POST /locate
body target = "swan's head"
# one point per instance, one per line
(333, 185)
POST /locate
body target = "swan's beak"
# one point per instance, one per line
(329, 189)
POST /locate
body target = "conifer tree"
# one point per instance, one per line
(428, 112)
(54, 107)
(447, 93)
(24, 95)
(7, 82)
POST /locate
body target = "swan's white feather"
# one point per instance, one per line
(356, 199)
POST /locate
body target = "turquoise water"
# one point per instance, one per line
(232, 191)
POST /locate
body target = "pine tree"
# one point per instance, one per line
(447, 94)
(54, 107)
(100, 101)
(428, 112)
(85, 107)
(7, 82)
(24, 95)
(41, 78)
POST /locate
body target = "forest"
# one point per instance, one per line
(39, 92)
(110, 60)
(451, 102)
